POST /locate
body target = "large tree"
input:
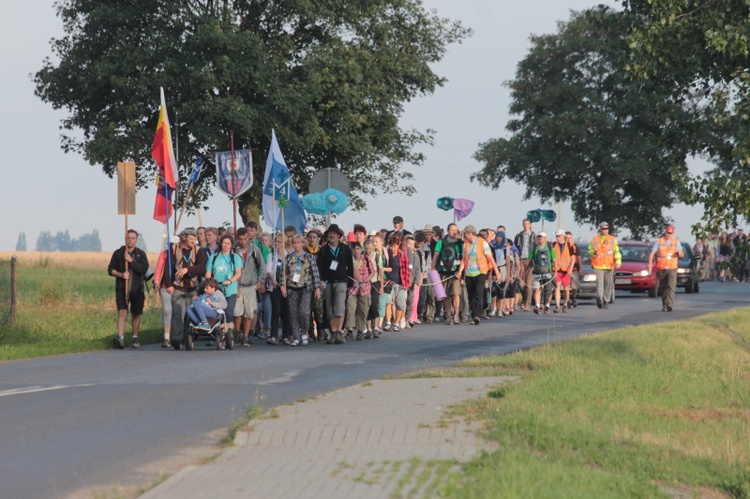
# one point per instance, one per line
(331, 77)
(702, 47)
(586, 133)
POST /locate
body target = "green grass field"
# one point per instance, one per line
(649, 411)
(63, 309)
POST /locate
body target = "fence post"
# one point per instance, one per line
(13, 290)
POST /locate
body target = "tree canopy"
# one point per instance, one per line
(331, 77)
(588, 133)
(702, 49)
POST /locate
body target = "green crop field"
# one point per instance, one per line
(66, 304)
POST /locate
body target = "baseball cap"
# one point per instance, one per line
(560, 232)
(542, 234)
(398, 220)
(470, 228)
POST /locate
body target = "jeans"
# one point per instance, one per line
(475, 291)
(200, 311)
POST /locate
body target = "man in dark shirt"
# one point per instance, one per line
(129, 266)
(336, 267)
(189, 263)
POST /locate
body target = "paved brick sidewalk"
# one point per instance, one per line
(366, 441)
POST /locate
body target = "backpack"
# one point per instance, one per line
(542, 260)
(450, 257)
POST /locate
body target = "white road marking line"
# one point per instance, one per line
(36, 389)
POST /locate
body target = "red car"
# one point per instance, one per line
(634, 274)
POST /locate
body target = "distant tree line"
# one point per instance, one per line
(62, 241)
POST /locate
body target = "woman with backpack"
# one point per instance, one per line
(226, 267)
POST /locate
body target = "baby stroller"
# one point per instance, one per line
(215, 333)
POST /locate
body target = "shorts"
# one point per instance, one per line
(247, 302)
(137, 299)
(542, 280)
(451, 284)
(562, 279)
(335, 299)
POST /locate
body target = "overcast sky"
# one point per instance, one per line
(45, 189)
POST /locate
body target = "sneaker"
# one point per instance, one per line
(475, 321)
(605, 305)
(134, 342)
(546, 309)
(262, 335)
(409, 325)
(360, 336)
(246, 342)
(386, 327)
(305, 339)
(119, 342)
(287, 341)
(396, 329)
(377, 333)
(339, 338)
(294, 343)
(565, 309)
(448, 322)
(204, 326)
(464, 320)
(598, 303)
(403, 324)
(165, 343)
(272, 340)
(417, 322)
(536, 309)
(331, 339)
(557, 309)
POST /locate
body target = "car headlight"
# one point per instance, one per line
(683, 271)
(589, 278)
(642, 273)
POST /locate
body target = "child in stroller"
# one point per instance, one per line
(207, 316)
(207, 305)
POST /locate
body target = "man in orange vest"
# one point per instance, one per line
(605, 258)
(668, 252)
(476, 262)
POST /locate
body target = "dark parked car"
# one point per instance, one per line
(688, 271)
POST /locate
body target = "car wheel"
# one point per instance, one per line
(695, 287)
(654, 292)
(689, 286)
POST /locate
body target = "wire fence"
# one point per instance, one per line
(8, 291)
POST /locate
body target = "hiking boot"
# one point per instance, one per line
(331, 339)
(339, 338)
(360, 336)
(546, 309)
(134, 343)
(118, 342)
(557, 309)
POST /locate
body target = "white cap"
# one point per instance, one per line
(542, 234)
(560, 232)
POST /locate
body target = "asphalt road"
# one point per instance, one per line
(91, 421)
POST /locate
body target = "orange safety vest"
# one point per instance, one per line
(482, 260)
(604, 252)
(564, 258)
(666, 254)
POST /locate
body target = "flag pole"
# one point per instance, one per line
(177, 160)
(232, 167)
(127, 281)
(184, 205)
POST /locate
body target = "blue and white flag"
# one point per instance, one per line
(277, 188)
(197, 169)
(234, 178)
